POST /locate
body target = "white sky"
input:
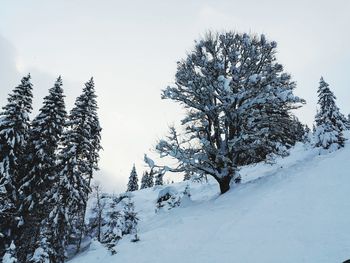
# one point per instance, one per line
(131, 49)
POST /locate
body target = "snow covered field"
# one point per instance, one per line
(296, 210)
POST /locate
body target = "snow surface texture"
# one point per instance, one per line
(296, 210)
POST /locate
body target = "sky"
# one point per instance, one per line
(131, 49)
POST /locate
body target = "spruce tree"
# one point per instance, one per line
(158, 179)
(84, 123)
(150, 181)
(347, 122)
(114, 228)
(150, 163)
(84, 119)
(69, 195)
(144, 180)
(41, 171)
(43, 252)
(133, 181)
(14, 125)
(307, 134)
(131, 220)
(78, 159)
(329, 121)
(187, 175)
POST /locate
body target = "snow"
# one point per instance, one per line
(296, 210)
(169, 190)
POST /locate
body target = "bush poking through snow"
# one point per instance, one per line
(169, 198)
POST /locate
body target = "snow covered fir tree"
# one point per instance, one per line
(133, 180)
(330, 123)
(40, 169)
(14, 126)
(114, 226)
(45, 171)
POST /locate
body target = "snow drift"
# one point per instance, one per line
(296, 210)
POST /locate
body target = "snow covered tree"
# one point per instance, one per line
(238, 101)
(150, 179)
(307, 134)
(43, 252)
(188, 174)
(114, 227)
(97, 211)
(69, 197)
(84, 119)
(81, 150)
(133, 181)
(329, 121)
(144, 180)
(77, 160)
(14, 125)
(297, 130)
(347, 122)
(10, 254)
(130, 220)
(159, 179)
(41, 171)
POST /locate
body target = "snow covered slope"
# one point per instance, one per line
(297, 210)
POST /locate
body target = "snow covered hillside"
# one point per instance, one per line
(297, 210)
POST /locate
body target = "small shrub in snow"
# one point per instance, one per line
(169, 198)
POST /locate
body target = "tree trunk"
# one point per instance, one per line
(225, 184)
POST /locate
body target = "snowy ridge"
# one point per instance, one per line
(292, 211)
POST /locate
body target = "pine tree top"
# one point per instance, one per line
(133, 180)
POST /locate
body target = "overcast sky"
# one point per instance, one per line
(131, 49)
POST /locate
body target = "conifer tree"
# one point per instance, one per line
(187, 175)
(86, 135)
(307, 134)
(131, 220)
(150, 181)
(43, 250)
(41, 171)
(158, 179)
(14, 125)
(69, 195)
(78, 159)
(329, 121)
(84, 119)
(133, 181)
(150, 163)
(346, 121)
(144, 180)
(114, 228)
